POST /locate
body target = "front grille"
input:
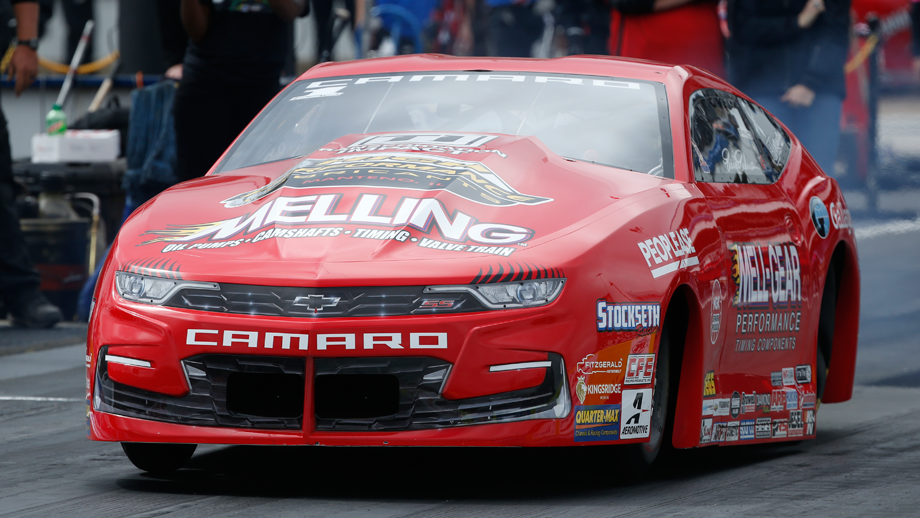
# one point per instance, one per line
(279, 301)
(420, 403)
(207, 403)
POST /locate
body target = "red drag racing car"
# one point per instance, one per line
(429, 250)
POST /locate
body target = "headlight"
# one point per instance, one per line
(153, 290)
(505, 295)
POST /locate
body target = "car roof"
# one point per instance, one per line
(586, 65)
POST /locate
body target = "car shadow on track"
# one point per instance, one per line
(433, 473)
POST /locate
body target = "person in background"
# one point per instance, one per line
(231, 70)
(915, 28)
(671, 31)
(789, 57)
(19, 281)
(173, 37)
(514, 26)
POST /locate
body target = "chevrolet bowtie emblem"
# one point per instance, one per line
(315, 302)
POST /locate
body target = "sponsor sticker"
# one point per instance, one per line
(776, 378)
(780, 428)
(840, 216)
(778, 401)
(808, 400)
(732, 431)
(718, 432)
(669, 252)
(747, 429)
(735, 405)
(639, 369)
(722, 407)
(803, 374)
(748, 402)
(796, 426)
(709, 384)
(597, 423)
(819, 216)
(792, 399)
(715, 311)
(763, 429)
(641, 317)
(763, 401)
(637, 414)
(789, 377)
(706, 431)
(810, 422)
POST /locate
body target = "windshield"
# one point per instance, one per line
(609, 121)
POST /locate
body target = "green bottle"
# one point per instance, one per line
(56, 121)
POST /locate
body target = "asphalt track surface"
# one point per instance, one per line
(864, 462)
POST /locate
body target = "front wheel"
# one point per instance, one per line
(641, 456)
(158, 458)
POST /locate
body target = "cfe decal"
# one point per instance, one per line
(469, 180)
(672, 251)
(768, 296)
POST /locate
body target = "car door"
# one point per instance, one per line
(739, 158)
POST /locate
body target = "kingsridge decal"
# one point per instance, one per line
(768, 296)
(469, 180)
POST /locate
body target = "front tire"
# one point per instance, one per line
(158, 458)
(641, 456)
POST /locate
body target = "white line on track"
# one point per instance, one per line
(901, 226)
(33, 398)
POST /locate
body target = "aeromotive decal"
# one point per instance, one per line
(323, 342)
(290, 213)
(470, 180)
(768, 296)
(673, 251)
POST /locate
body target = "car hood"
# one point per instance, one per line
(355, 214)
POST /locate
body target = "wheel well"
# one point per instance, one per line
(841, 350)
(684, 331)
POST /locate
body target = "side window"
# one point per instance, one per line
(729, 144)
(775, 141)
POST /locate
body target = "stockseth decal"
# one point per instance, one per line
(803, 373)
(819, 216)
(747, 430)
(597, 423)
(796, 426)
(706, 431)
(637, 414)
(715, 311)
(332, 341)
(674, 249)
(780, 428)
(641, 317)
(469, 180)
(763, 428)
(424, 215)
(768, 296)
(639, 369)
(709, 384)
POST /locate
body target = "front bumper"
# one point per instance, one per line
(446, 397)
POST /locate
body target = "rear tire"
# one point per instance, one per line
(640, 457)
(826, 324)
(158, 458)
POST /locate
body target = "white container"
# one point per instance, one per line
(76, 146)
